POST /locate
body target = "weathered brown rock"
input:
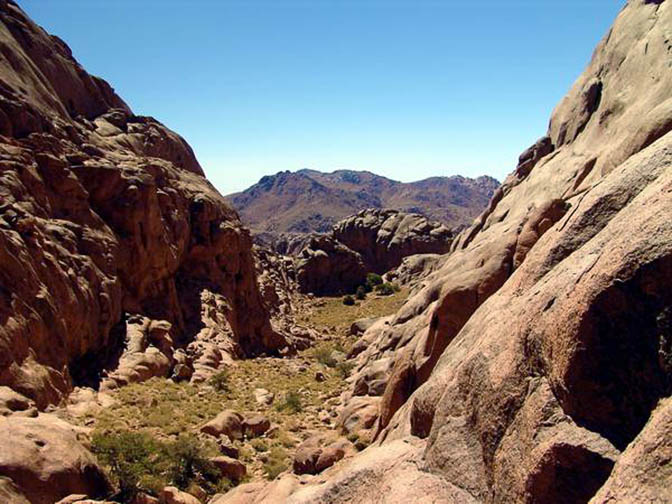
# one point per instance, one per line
(255, 425)
(319, 452)
(46, 461)
(370, 241)
(230, 467)
(171, 495)
(103, 214)
(227, 423)
(531, 364)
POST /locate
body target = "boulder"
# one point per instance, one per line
(263, 397)
(46, 461)
(227, 423)
(172, 495)
(229, 467)
(255, 425)
(319, 452)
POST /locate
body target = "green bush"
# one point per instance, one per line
(128, 455)
(292, 403)
(361, 293)
(276, 463)
(373, 279)
(323, 355)
(348, 300)
(386, 289)
(137, 462)
(188, 463)
(344, 369)
(220, 381)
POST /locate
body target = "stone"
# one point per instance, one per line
(227, 423)
(46, 461)
(229, 467)
(263, 397)
(172, 495)
(255, 425)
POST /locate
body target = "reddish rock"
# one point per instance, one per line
(227, 423)
(255, 425)
(171, 495)
(230, 468)
(46, 461)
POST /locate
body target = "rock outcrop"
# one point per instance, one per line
(533, 363)
(106, 215)
(370, 241)
(119, 261)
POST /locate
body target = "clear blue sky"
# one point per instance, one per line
(407, 89)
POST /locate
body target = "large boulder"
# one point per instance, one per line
(228, 423)
(532, 364)
(45, 460)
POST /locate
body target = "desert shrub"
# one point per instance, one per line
(137, 462)
(220, 381)
(187, 463)
(324, 356)
(129, 457)
(259, 445)
(373, 279)
(276, 463)
(360, 293)
(292, 403)
(344, 369)
(385, 289)
(348, 300)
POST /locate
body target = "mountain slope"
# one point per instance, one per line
(309, 200)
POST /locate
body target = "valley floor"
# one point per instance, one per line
(305, 391)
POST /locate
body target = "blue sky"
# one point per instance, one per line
(407, 89)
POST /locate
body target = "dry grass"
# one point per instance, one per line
(165, 410)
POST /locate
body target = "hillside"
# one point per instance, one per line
(307, 200)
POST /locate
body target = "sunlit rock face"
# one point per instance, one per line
(533, 362)
(106, 223)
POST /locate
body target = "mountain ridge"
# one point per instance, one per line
(309, 200)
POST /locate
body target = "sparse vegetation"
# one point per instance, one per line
(157, 412)
(138, 462)
(360, 293)
(276, 463)
(344, 369)
(373, 279)
(220, 381)
(386, 289)
(348, 300)
(292, 403)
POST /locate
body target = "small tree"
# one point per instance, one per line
(373, 279)
(361, 292)
(220, 381)
(385, 289)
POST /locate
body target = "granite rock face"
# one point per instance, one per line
(105, 215)
(370, 241)
(119, 261)
(532, 363)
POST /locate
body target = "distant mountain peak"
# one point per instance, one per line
(309, 200)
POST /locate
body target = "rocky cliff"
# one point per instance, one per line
(534, 364)
(372, 241)
(110, 235)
